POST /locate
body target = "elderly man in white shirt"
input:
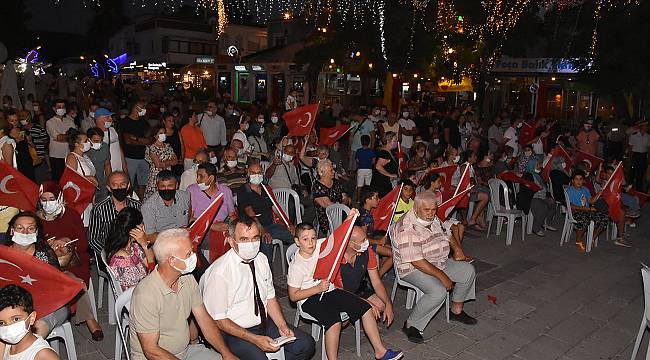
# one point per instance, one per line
(188, 177)
(213, 127)
(238, 293)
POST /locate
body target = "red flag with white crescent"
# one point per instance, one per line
(401, 159)
(448, 206)
(328, 136)
(527, 133)
(446, 173)
(16, 189)
(301, 120)
(77, 191)
(557, 151)
(269, 191)
(593, 161)
(464, 183)
(611, 193)
(332, 250)
(51, 289)
(514, 178)
(382, 215)
(201, 225)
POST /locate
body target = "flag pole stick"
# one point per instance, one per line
(338, 256)
(608, 180)
(392, 215)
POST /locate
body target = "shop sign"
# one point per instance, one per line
(534, 65)
(205, 60)
(156, 66)
(533, 88)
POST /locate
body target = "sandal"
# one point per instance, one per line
(622, 243)
(581, 246)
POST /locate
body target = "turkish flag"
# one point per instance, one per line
(201, 225)
(50, 287)
(611, 193)
(527, 133)
(382, 215)
(16, 189)
(77, 191)
(332, 250)
(301, 120)
(448, 206)
(464, 183)
(643, 198)
(401, 159)
(558, 151)
(593, 161)
(328, 136)
(514, 178)
(446, 173)
(283, 216)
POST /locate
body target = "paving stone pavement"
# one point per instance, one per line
(551, 303)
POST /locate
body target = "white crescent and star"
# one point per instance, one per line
(304, 124)
(3, 184)
(73, 186)
(23, 279)
(328, 247)
(334, 134)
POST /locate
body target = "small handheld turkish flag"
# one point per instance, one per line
(201, 225)
(301, 120)
(269, 191)
(446, 173)
(557, 151)
(514, 178)
(50, 288)
(77, 191)
(527, 134)
(332, 250)
(16, 189)
(593, 161)
(448, 206)
(382, 215)
(328, 136)
(612, 193)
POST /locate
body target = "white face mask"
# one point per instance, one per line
(274, 119)
(203, 186)
(163, 110)
(142, 112)
(231, 163)
(405, 114)
(245, 127)
(213, 160)
(86, 146)
(287, 158)
(24, 239)
(108, 124)
(12, 334)
(538, 170)
(91, 114)
(60, 112)
(520, 125)
(162, 137)
(210, 113)
(456, 159)
(257, 179)
(249, 250)
(364, 246)
(23, 122)
(423, 222)
(436, 141)
(376, 112)
(95, 146)
(190, 264)
(51, 207)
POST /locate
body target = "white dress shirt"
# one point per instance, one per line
(56, 126)
(227, 288)
(214, 129)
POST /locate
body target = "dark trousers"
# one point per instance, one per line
(58, 165)
(277, 231)
(639, 164)
(302, 348)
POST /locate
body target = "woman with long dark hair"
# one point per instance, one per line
(127, 251)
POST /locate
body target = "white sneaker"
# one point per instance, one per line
(539, 233)
(549, 228)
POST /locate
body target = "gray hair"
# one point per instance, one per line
(322, 164)
(424, 197)
(166, 243)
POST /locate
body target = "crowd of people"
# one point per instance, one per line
(158, 162)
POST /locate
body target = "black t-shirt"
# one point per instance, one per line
(136, 128)
(454, 132)
(261, 204)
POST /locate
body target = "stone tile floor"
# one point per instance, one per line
(552, 303)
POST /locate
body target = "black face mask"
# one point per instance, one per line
(120, 194)
(167, 195)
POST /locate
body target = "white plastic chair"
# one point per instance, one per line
(335, 215)
(413, 293)
(316, 328)
(63, 332)
(277, 243)
(116, 289)
(284, 196)
(645, 319)
(569, 224)
(503, 212)
(104, 278)
(122, 306)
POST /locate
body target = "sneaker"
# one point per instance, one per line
(549, 228)
(621, 242)
(412, 334)
(392, 355)
(539, 233)
(631, 225)
(463, 318)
